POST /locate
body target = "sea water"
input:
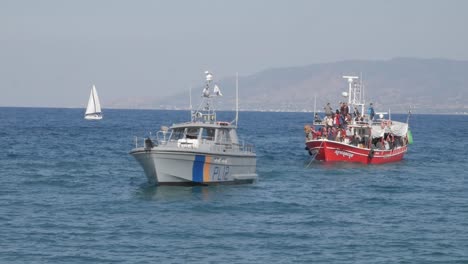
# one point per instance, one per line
(71, 193)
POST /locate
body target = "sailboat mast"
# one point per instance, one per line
(237, 98)
(94, 99)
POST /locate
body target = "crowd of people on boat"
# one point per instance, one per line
(335, 126)
(340, 134)
(388, 141)
(344, 115)
(354, 137)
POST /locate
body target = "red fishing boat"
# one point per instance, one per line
(357, 137)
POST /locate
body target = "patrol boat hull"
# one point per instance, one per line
(173, 167)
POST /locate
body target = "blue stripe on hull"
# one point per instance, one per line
(197, 169)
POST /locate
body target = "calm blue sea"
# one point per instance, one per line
(71, 193)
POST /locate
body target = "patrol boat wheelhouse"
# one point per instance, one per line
(203, 151)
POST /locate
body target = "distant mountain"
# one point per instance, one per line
(427, 85)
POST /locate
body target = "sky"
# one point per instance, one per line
(52, 51)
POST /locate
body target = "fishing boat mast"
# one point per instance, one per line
(355, 92)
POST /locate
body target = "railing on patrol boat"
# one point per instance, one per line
(150, 142)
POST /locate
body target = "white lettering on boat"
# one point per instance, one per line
(344, 153)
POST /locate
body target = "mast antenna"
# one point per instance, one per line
(191, 109)
(351, 94)
(315, 106)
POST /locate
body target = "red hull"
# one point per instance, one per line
(336, 151)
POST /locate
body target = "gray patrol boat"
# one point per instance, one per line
(203, 151)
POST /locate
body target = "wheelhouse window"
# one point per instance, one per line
(223, 136)
(178, 133)
(192, 132)
(208, 133)
(362, 131)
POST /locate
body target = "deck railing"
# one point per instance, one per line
(149, 142)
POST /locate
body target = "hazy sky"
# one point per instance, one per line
(51, 52)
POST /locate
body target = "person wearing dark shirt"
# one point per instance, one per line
(370, 112)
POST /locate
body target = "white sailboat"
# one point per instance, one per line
(93, 111)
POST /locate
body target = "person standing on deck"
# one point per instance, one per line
(328, 110)
(370, 112)
(344, 110)
(356, 112)
(337, 119)
(317, 118)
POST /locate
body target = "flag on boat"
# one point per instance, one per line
(410, 137)
(217, 91)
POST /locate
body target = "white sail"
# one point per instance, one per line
(97, 102)
(90, 109)
(93, 110)
(94, 106)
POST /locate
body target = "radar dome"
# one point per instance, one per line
(209, 76)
